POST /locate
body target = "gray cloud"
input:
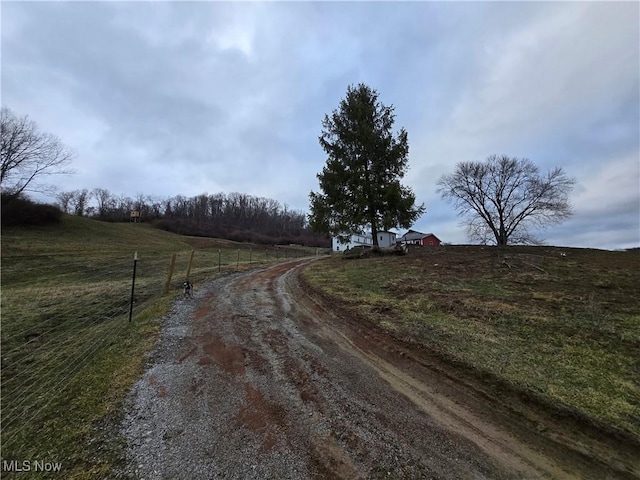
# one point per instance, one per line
(167, 98)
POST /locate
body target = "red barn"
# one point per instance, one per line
(418, 238)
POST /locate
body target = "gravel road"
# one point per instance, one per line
(254, 379)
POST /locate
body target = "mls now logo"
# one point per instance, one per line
(30, 466)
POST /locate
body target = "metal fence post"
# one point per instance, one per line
(133, 284)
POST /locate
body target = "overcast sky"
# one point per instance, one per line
(168, 98)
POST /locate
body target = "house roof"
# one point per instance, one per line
(414, 235)
(368, 233)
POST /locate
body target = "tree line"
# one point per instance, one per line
(30, 155)
(234, 216)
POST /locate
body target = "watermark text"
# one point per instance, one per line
(31, 466)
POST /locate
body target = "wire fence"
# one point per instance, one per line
(59, 313)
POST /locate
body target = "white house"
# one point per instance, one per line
(355, 240)
(385, 239)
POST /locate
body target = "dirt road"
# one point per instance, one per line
(255, 378)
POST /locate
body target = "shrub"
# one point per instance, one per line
(18, 210)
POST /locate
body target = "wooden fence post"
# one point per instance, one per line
(238, 261)
(172, 264)
(218, 260)
(189, 266)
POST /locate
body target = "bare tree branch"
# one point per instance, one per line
(28, 155)
(504, 198)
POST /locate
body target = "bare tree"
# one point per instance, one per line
(503, 199)
(124, 207)
(80, 202)
(64, 199)
(104, 201)
(155, 207)
(28, 155)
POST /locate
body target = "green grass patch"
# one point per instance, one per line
(69, 353)
(565, 327)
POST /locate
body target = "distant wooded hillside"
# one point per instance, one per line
(234, 216)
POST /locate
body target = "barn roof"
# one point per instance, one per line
(415, 235)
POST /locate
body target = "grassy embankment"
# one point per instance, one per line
(69, 354)
(564, 328)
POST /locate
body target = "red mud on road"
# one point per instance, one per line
(258, 378)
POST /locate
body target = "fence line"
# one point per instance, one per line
(56, 383)
(60, 313)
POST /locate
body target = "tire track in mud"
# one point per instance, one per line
(534, 442)
(524, 461)
(255, 379)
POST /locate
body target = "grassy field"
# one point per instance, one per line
(562, 324)
(69, 353)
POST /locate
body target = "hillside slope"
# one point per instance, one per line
(72, 341)
(562, 325)
(84, 235)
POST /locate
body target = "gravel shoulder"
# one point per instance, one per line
(256, 378)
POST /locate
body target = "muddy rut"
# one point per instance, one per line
(256, 378)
